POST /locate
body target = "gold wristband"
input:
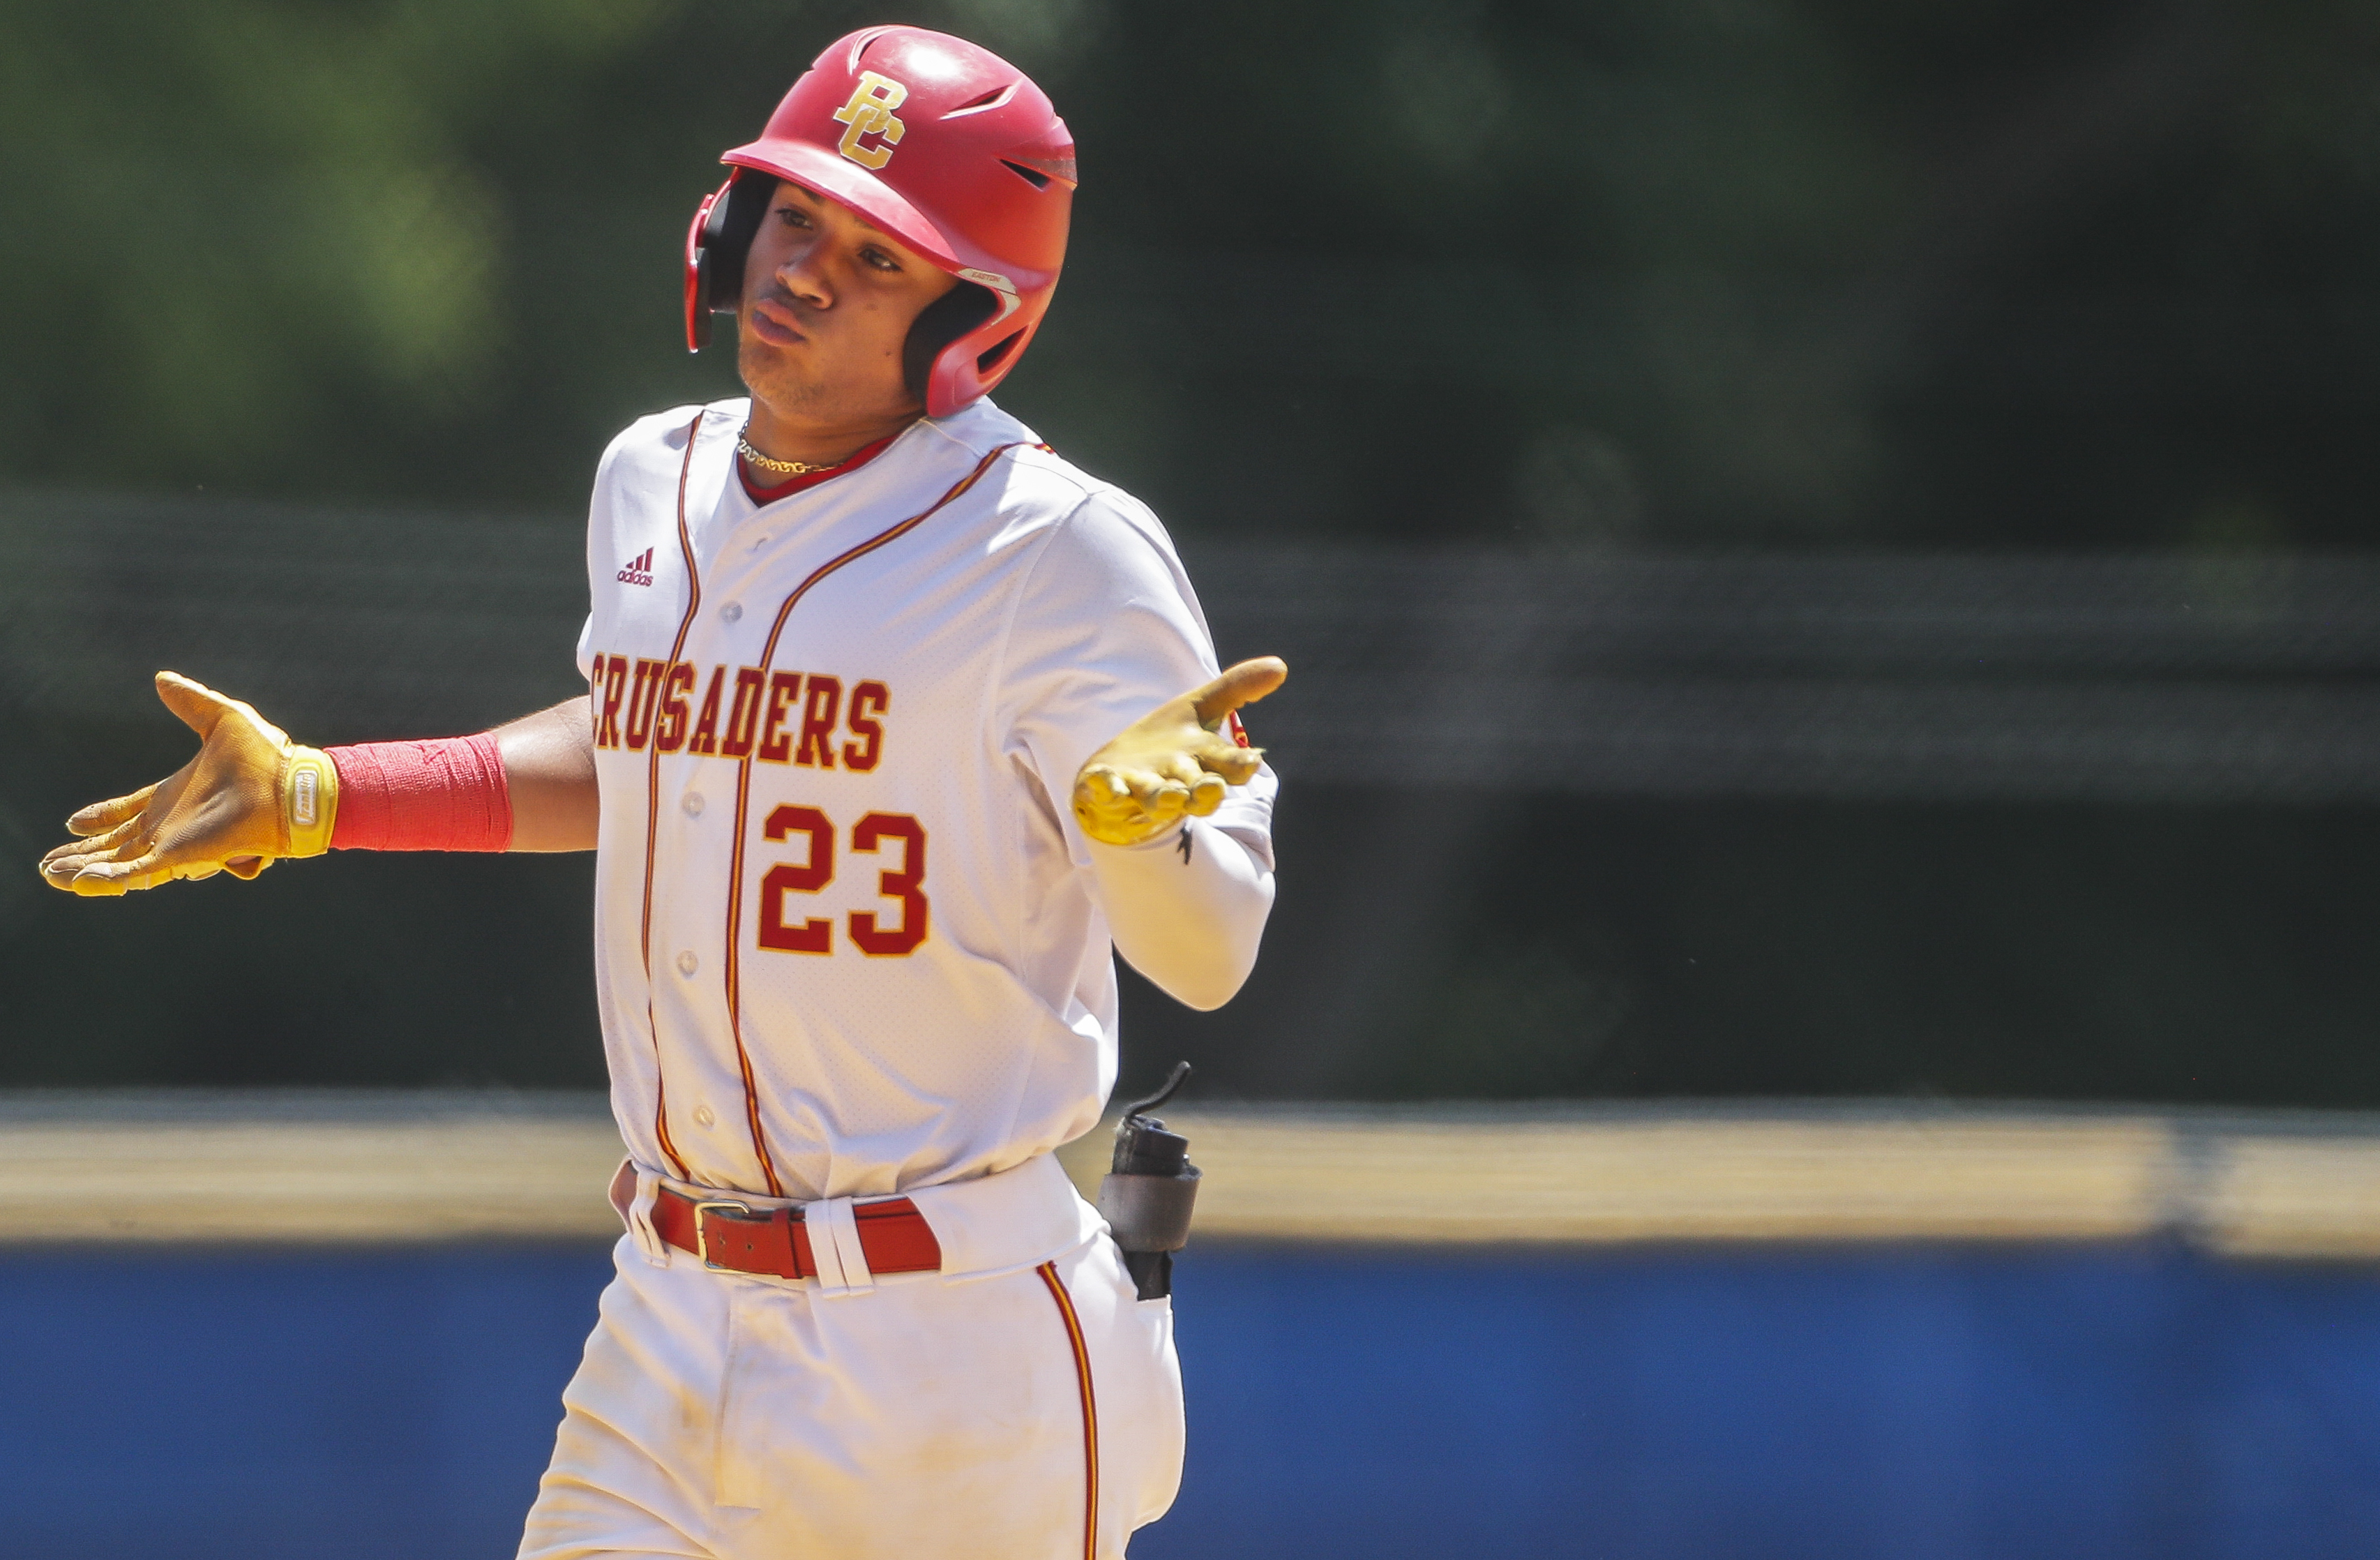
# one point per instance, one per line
(309, 799)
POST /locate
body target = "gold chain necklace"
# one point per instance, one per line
(790, 467)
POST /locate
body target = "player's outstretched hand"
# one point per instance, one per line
(249, 797)
(1174, 760)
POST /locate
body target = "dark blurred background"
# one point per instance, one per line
(1820, 543)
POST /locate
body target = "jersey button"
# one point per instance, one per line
(732, 612)
(693, 804)
(760, 541)
(702, 1116)
(686, 963)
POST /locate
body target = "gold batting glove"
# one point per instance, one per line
(1173, 762)
(249, 798)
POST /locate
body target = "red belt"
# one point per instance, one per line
(729, 1235)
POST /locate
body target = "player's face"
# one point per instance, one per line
(828, 302)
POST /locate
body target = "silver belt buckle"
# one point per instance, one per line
(702, 1231)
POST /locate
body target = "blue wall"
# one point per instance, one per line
(2104, 1402)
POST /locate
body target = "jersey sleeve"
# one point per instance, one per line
(600, 502)
(1106, 628)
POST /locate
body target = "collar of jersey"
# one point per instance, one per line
(802, 481)
(964, 432)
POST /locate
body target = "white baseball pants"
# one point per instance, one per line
(1023, 1404)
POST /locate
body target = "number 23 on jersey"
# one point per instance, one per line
(884, 934)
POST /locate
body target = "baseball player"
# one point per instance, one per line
(894, 721)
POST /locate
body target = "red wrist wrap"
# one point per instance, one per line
(447, 795)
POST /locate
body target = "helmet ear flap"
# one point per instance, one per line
(954, 314)
(716, 246)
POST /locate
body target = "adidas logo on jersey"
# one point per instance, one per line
(639, 570)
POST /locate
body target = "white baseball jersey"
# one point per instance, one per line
(846, 941)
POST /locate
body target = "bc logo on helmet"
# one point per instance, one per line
(869, 113)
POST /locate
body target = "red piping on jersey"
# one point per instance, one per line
(744, 798)
(653, 805)
(1049, 1271)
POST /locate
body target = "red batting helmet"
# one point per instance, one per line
(945, 146)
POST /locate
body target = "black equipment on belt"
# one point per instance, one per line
(1148, 1192)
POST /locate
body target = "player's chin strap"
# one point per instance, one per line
(1148, 1194)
